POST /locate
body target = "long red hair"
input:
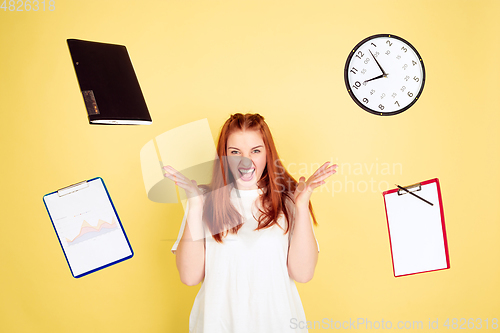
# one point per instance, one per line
(277, 185)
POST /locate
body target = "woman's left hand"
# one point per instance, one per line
(305, 187)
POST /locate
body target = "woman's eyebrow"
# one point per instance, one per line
(259, 146)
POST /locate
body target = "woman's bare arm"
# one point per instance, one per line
(303, 250)
(190, 253)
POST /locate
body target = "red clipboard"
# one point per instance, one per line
(417, 233)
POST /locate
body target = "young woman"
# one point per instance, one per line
(256, 235)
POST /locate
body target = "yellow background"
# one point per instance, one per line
(285, 60)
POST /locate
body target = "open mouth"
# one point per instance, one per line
(246, 174)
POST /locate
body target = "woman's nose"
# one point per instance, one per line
(246, 162)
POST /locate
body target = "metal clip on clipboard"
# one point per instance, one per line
(411, 188)
(72, 188)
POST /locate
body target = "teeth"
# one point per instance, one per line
(247, 171)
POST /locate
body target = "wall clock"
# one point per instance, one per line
(384, 74)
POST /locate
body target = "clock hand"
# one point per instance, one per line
(385, 74)
(376, 78)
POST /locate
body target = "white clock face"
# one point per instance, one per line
(384, 74)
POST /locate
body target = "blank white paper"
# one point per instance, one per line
(416, 231)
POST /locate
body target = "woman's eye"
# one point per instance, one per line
(256, 151)
(234, 152)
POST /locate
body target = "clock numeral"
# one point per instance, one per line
(360, 55)
(365, 99)
(410, 94)
(405, 66)
(353, 70)
(404, 49)
(381, 107)
(374, 45)
(416, 78)
(394, 95)
(388, 52)
(414, 62)
(376, 54)
(382, 96)
(389, 42)
(357, 84)
(363, 71)
(407, 78)
(367, 60)
(398, 57)
(397, 103)
(403, 88)
(372, 92)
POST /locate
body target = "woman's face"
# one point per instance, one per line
(246, 157)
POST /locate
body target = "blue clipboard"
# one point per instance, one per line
(88, 227)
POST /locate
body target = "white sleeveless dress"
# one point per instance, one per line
(247, 288)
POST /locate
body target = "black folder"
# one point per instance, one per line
(108, 83)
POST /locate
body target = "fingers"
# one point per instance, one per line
(327, 172)
(318, 177)
(305, 188)
(173, 174)
(325, 168)
(323, 172)
(190, 186)
(177, 177)
(316, 184)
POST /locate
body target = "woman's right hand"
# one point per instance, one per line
(193, 193)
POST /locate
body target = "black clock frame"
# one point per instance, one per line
(346, 70)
